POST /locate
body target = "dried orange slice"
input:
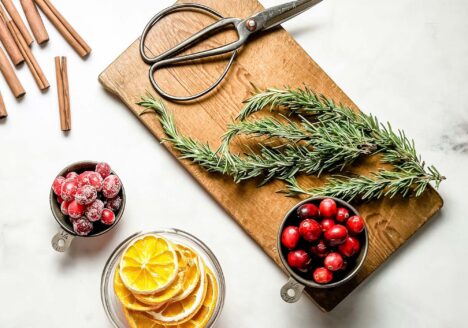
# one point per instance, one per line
(149, 265)
(192, 272)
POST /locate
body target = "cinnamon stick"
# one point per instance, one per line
(35, 21)
(10, 7)
(10, 76)
(31, 61)
(3, 112)
(10, 45)
(61, 72)
(62, 25)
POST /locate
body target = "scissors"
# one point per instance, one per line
(259, 22)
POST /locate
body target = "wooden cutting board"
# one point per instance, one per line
(272, 59)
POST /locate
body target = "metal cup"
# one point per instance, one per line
(63, 239)
(291, 292)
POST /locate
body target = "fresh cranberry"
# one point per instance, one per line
(94, 211)
(355, 224)
(299, 260)
(333, 262)
(327, 224)
(111, 186)
(342, 214)
(82, 227)
(327, 208)
(336, 235)
(320, 250)
(107, 217)
(86, 195)
(103, 169)
(290, 237)
(114, 203)
(350, 247)
(310, 230)
(72, 175)
(307, 211)
(57, 185)
(323, 276)
(69, 188)
(64, 207)
(75, 210)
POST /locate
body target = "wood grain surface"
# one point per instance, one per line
(272, 59)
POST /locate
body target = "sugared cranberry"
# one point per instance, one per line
(327, 224)
(111, 186)
(75, 210)
(57, 185)
(72, 175)
(336, 235)
(320, 250)
(114, 203)
(355, 224)
(64, 207)
(83, 178)
(86, 195)
(90, 178)
(333, 262)
(307, 211)
(103, 169)
(107, 217)
(69, 188)
(323, 276)
(327, 208)
(342, 214)
(299, 260)
(290, 237)
(310, 230)
(59, 200)
(350, 247)
(94, 211)
(82, 227)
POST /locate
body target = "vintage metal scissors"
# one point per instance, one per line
(259, 22)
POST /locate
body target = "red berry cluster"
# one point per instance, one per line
(89, 197)
(325, 242)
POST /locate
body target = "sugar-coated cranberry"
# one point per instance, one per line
(320, 250)
(72, 175)
(307, 211)
(323, 276)
(333, 261)
(310, 230)
(64, 207)
(290, 237)
(82, 227)
(86, 195)
(336, 235)
(350, 247)
(59, 200)
(103, 169)
(83, 178)
(299, 260)
(69, 188)
(95, 180)
(57, 185)
(107, 217)
(94, 211)
(327, 208)
(355, 224)
(114, 203)
(342, 214)
(327, 224)
(111, 186)
(75, 210)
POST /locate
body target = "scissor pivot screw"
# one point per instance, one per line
(251, 25)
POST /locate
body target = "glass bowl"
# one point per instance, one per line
(111, 303)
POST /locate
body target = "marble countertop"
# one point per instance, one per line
(405, 61)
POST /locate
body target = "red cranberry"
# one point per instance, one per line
(290, 237)
(307, 211)
(350, 247)
(72, 175)
(90, 178)
(57, 185)
(75, 210)
(64, 207)
(320, 250)
(114, 203)
(103, 169)
(86, 195)
(342, 214)
(83, 178)
(327, 224)
(336, 235)
(82, 227)
(94, 211)
(69, 188)
(111, 186)
(333, 262)
(107, 217)
(327, 208)
(355, 224)
(59, 200)
(310, 230)
(299, 260)
(323, 276)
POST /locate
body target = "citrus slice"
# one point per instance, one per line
(192, 272)
(148, 265)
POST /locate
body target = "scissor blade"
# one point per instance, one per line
(279, 14)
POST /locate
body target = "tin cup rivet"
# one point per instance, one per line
(251, 25)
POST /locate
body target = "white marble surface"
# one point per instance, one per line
(406, 61)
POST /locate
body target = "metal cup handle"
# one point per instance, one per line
(62, 241)
(291, 292)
